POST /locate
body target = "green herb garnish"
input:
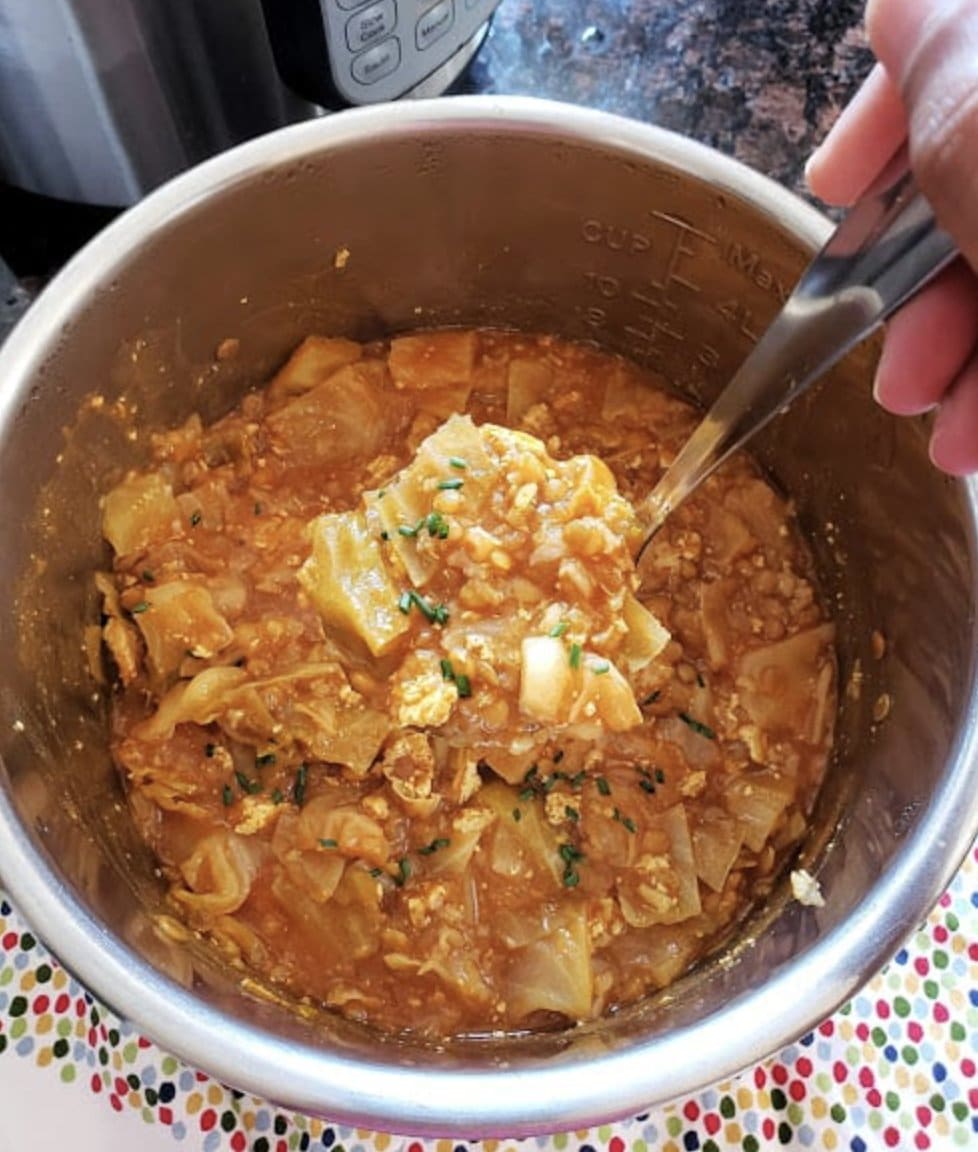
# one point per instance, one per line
(517, 814)
(601, 669)
(572, 814)
(227, 795)
(452, 484)
(209, 750)
(457, 462)
(437, 525)
(299, 787)
(575, 656)
(246, 784)
(410, 530)
(265, 759)
(329, 842)
(651, 698)
(571, 856)
(447, 671)
(278, 796)
(196, 518)
(403, 871)
(698, 726)
(464, 686)
(436, 845)
(660, 776)
(148, 577)
(603, 786)
(558, 629)
(433, 613)
(626, 821)
(142, 606)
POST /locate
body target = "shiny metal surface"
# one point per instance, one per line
(602, 229)
(100, 102)
(886, 249)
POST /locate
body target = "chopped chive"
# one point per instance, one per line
(142, 606)
(457, 462)
(382, 493)
(246, 784)
(209, 750)
(699, 680)
(601, 669)
(385, 535)
(196, 518)
(646, 785)
(603, 786)
(517, 814)
(376, 873)
(278, 796)
(265, 759)
(257, 508)
(464, 686)
(558, 756)
(403, 871)
(575, 656)
(627, 821)
(525, 794)
(437, 525)
(531, 773)
(572, 814)
(227, 795)
(698, 726)
(299, 787)
(660, 776)
(410, 530)
(433, 613)
(329, 842)
(436, 845)
(549, 783)
(452, 484)
(558, 629)
(651, 698)
(148, 577)
(570, 856)
(447, 671)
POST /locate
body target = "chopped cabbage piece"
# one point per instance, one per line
(554, 973)
(138, 512)
(316, 358)
(177, 618)
(433, 359)
(348, 581)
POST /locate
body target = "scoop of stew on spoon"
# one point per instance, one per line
(887, 247)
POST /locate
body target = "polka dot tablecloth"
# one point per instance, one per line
(894, 1068)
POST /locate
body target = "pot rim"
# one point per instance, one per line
(576, 1091)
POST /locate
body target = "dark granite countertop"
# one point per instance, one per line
(758, 79)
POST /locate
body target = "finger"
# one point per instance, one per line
(928, 342)
(868, 132)
(954, 439)
(930, 49)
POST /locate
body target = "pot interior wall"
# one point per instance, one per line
(482, 228)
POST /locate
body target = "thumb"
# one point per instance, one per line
(930, 50)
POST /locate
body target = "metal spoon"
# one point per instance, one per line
(887, 247)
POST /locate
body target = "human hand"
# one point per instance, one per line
(924, 89)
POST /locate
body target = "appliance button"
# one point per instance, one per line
(434, 23)
(348, 5)
(376, 62)
(370, 25)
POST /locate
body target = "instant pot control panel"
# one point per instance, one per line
(339, 52)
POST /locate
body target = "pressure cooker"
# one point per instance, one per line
(102, 100)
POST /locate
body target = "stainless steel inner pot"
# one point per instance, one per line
(472, 211)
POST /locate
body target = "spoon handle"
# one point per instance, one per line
(885, 249)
